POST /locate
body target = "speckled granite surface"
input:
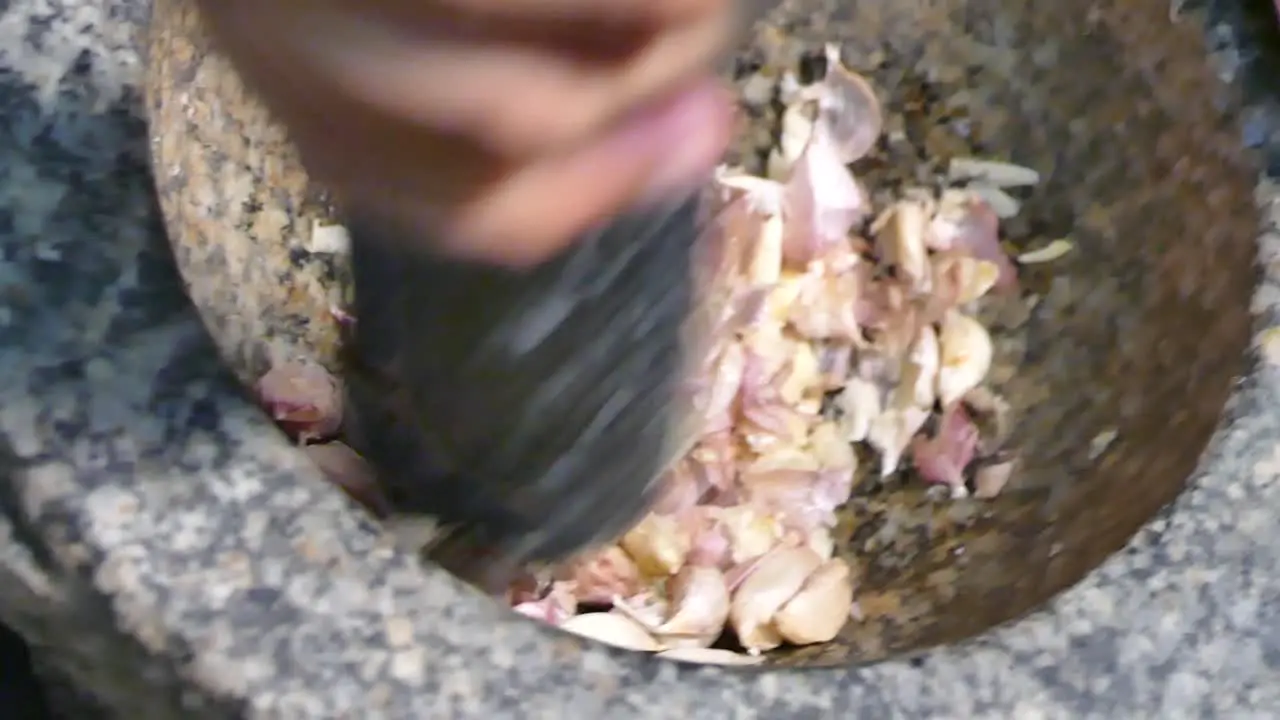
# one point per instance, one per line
(119, 428)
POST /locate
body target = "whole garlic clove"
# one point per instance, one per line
(777, 578)
(860, 404)
(919, 372)
(659, 544)
(700, 603)
(891, 433)
(614, 629)
(821, 607)
(967, 352)
(709, 656)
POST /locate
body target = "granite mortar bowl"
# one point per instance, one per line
(1113, 102)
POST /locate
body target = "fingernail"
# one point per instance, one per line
(687, 136)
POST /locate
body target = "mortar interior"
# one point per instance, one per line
(1137, 340)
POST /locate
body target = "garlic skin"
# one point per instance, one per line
(821, 607)
(614, 629)
(659, 545)
(967, 352)
(777, 578)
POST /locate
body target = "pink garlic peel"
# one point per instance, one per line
(303, 398)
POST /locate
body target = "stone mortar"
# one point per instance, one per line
(171, 554)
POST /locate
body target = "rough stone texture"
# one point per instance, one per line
(165, 548)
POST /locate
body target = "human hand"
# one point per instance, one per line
(506, 126)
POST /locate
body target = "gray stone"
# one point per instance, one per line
(164, 549)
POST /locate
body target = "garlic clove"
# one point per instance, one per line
(991, 172)
(751, 533)
(967, 352)
(803, 377)
(613, 629)
(766, 262)
(830, 449)
(1054, 250)
(798, 126)
(919, 371)
(849, 107)
(860, 404)
(965, 278)
(649, 609)
(821, 607)
(709, 656)
(891, 433)
(901, 242)
(775, 580)
(1001, 203)
(988, 481)
(821, 542)
(700, 603)
(329, 239)
(659, 544)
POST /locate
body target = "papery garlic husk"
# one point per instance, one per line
(967, 352)
(699, 603)
(900, 238)
(614, 629)
(710, 656)
(849, 108)
(777, 579)
(659, 544)
(751, 533)
(821, 608)
(891, 433)
(919, 372)
(860, 404)
(648, 608)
